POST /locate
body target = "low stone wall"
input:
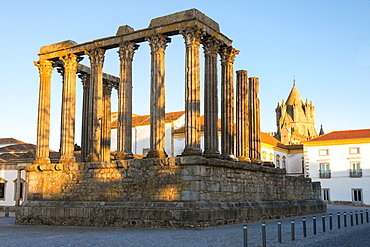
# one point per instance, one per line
(170, 192)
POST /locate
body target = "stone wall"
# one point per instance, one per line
(169, 192)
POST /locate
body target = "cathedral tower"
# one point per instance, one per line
(295, 119)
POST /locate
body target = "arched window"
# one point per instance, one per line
(277, 161)
(284, 162)
(271, 157)
(264, 155)
(22, 189)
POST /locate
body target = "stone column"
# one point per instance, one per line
(211, 47)
(227, 102)
(254, 122)
(68, 112)
(192, 38)
(95, 112)
(85, 78)
(242, 118)
(106, 121)
(19, 184)
(124, 133)
(43, 119)
(158, 44)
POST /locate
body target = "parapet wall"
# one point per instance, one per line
(169, 192)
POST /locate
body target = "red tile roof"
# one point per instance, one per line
(138, 120)
(268, 139)
(10, 141)
(17, 148)
(344, 134)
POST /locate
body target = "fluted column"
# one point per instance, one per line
(227, 102)
(124, 134)
(85, 78)
(211, 47)
(43, 118)
(254, 121)
(242, 118)
(95, 103)
(106, 123)
(68, 112)
(158, 44)
(192, 37)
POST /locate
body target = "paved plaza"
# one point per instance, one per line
(231, 235)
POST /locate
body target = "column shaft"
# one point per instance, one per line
(242, 119)
(106, 121)
(95, 103)
(254, 121)
(211, 47)
(68, 112)
(227, 102)
(192, 38)
(158, 45)
(43, 119)
(124, 133)
(85, 106)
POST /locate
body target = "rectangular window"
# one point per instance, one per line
(145, 151)
(354, 150)
(355, 170)
(2, 191)
(357, 195)
(324, 170)
(324, 152)
(326, 194)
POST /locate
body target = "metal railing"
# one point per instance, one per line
(355, 173)
(325, 174)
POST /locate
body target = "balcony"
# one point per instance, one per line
(355, 173)
(325, 174)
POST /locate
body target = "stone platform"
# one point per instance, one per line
(179, 192)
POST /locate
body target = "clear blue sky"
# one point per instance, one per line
(325, 44)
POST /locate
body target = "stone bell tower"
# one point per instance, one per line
(295, 119)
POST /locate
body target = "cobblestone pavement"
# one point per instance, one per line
(230, 235)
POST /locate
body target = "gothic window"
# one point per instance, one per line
(2, 188)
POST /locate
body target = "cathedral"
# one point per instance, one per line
(295, 119)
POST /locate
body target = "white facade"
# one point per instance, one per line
(342, 166)
(8, 181)
(289, 157)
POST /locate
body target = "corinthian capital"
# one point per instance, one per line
(126, 50)
(96, 55)
(70, 62)
(158, 42)
(228, 54)
(45, 67)
(192, 35)
(210, 45)
(107, 87)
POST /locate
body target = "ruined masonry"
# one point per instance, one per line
(199, 189)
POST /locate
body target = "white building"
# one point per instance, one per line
(11, 170)
(289, 157)
(340, 160)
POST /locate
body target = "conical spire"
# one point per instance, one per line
(294, 96)
(321, 131)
